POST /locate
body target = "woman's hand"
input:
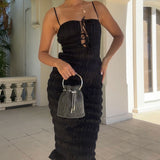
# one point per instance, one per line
(65, 69)
(104, 66)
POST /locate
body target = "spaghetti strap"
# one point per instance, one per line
(95, 9)
(56, 15)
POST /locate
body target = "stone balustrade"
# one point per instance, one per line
(15, 91)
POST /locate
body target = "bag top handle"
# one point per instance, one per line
(79, 77)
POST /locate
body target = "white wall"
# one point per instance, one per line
(25, 45)
(116, 86)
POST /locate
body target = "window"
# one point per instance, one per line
(151, 26)
(147, 50)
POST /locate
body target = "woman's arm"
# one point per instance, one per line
(110, 24)
(47, 35)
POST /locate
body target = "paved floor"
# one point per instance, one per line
(27, 134)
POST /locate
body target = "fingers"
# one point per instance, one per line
(68, 71)
(103, 70)
(72, 71)
(103, 78)
(103, 73)
(65, 76)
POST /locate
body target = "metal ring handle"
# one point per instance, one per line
(80, 78)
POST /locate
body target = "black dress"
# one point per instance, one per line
(75, 139)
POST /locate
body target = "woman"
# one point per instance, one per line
(77, 24)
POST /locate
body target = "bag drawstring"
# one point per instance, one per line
(73, 94)
(73, 100)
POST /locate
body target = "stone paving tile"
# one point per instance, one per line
(27, 133)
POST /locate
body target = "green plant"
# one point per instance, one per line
(5, 31)
(4, 49)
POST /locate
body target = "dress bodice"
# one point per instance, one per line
(69, 32)
(83, 56)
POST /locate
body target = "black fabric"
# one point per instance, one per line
(75, 139)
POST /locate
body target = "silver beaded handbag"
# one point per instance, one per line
(71, 101)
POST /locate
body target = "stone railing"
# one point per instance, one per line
(16, 91)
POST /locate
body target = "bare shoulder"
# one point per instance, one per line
(50, 19)
(50, 14)
(102, 10)
(99, 5)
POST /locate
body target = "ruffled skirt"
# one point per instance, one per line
(75, 139)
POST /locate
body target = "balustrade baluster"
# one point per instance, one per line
(7, 92)
(18, 92)
(29, 91)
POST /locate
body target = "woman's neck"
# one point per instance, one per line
(73, 2)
